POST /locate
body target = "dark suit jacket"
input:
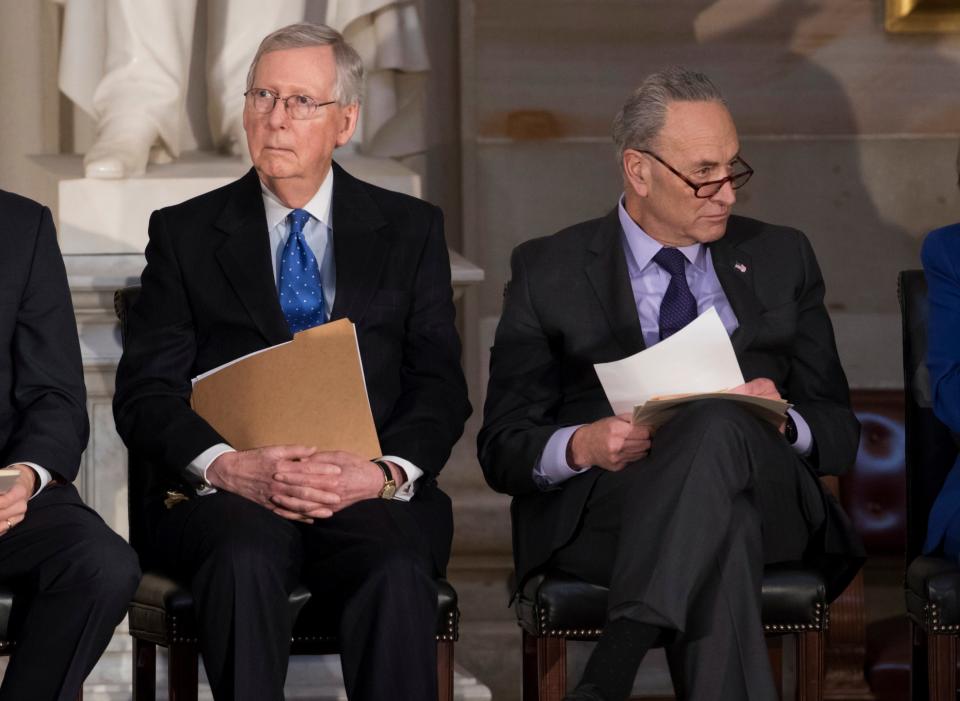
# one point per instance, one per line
(569, 305)
(941, 264)
(209, 296)
(43, 414)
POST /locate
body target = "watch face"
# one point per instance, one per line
(389, 489)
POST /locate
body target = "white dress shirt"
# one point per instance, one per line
(318, 232)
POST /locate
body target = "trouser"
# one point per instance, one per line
(681, 538)
(369, 566)
(72, 579)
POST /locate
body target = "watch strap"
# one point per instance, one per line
(389, 484)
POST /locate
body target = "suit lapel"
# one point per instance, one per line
(607, 272)
(245, 258)
(734, 269)
(359, 247)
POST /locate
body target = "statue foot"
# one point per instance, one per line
(124, 156)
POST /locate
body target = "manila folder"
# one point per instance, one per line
(309, 391)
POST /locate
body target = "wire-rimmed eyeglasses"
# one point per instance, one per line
(301, 107)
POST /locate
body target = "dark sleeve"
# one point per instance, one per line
(817, 385)
(523, 394)
(429, 414)
(942, 271)
(48, 393)
(152, 401)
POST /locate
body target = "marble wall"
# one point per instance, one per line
(852, 132)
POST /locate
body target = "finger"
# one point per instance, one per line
(291, 452)
(626, 416)
(291, 515)
(307, 493)
(320, 513)
(297, 505)
(310, 466)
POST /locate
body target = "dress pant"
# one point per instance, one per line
(72, 579)
(681, 538)
(369, 566)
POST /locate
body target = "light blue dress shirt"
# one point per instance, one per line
(649, 283)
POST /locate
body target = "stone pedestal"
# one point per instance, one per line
(103, 230)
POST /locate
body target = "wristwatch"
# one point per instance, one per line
(790, 430)
(389, 485)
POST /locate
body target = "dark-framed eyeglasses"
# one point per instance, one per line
(710, 187)
(297, 106)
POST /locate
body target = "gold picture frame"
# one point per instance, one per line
(922, 16)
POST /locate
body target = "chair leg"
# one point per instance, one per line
(144, 670)
(544, 668)
(809, 666)
(445, 670)
(775, 654)
(182, 672)
(942, 667)
(919, 690)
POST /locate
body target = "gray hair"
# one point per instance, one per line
(641, 118)
(348, 86)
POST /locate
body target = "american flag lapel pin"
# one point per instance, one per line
(740, 267)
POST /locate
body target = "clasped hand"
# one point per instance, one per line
(298, 482)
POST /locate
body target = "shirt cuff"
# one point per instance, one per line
(43, 474)
(406, 491)
(552, 468)
(804, 444)
(199, 465)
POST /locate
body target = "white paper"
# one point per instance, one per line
(698, 358)
(217, 369)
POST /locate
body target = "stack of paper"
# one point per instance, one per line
(308, 391)
(698, 362)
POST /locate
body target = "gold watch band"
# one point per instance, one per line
(389, 484)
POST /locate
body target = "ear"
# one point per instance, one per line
(348, 122)
(636, 172)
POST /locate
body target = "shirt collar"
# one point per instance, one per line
(643, 247)
(318, 207)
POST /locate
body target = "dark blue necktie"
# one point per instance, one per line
(678, 307)
(301, 294)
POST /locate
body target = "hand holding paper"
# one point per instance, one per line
(696, 363)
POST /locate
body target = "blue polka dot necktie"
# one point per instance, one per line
(679, 307)
(301, 293)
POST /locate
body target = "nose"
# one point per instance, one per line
(278, 117)
(726, 195)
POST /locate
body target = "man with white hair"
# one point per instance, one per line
(244, 527)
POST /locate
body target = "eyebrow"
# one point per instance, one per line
(713, 164)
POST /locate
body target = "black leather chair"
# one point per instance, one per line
(7, 643)
(553, 608)
(161, 612)
(932, 583)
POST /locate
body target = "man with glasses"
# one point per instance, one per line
(678, 524)
(294, 243)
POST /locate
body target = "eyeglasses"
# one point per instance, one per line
(301, 107)
(711, 187)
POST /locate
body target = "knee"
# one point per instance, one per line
(718, 419)
(97, 566)
(250, 555)
(402, 574)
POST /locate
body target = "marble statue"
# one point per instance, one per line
(126, 64)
